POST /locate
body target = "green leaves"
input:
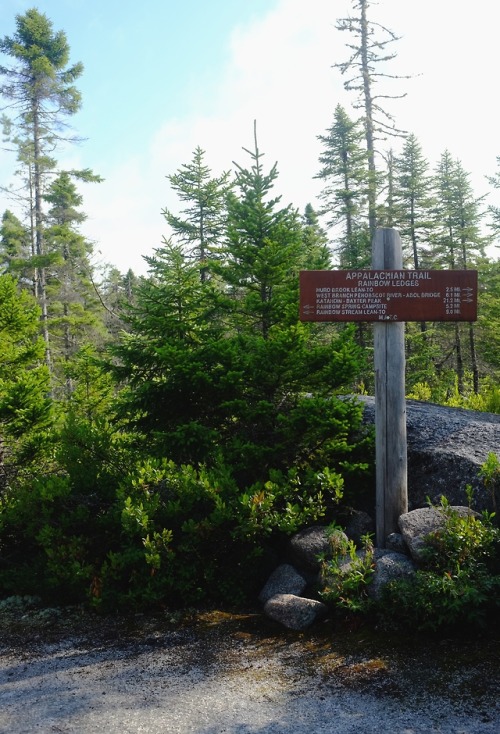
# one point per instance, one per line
(24, 384)
(460, 584)
(347, 575)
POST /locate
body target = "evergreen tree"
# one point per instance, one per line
(458, 239)
(458, 242)
(115, 291)
(264, 250)
(217, 369)
(345, 173)
(173, 357)
(387, 211)
(414, 202)
(488, 324)
(494, 210)
(74, 311)
(25, 408)
(201, 223)
(315, 242)
(276, 359)
(39, 85)
(14, 248)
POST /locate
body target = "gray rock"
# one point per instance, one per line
(417, 524)
(294, 612)
(309, 545)
(345, 565)
(446, 448)
(395, 542)
(283, 580)
(389, 566)
(358, 525)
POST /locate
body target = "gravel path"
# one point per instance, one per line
(242, 675)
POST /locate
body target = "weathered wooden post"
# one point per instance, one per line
(390, 402)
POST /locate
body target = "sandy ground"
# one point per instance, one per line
(241, 675)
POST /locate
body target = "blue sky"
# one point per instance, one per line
(162, 77)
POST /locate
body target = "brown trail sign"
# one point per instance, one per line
(389, 295)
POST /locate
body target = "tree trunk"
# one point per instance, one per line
(473, 357)
(370, 145)
(460, 360)
(42, 291)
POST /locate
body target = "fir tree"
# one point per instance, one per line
(315, 242)
(39, 85)
(414, 201)
(344, 196)
(264, 249)
(217, 369)
(458, 242)
(201, 224)
(15, 248)
(25, 408)
(74, 311)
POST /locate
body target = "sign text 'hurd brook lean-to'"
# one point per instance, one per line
(388, 295)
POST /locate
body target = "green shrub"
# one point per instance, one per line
(348, 574)
(459, 584)
(289, 501)
(490, 474)
(44, 540)
(189, 536)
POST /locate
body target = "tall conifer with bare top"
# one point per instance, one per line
(38, 88)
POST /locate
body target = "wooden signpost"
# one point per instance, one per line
(389, 295)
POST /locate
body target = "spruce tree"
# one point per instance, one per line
(201, 223)
(25, 408)
(458, 242)
(39, 86)
(414, 202)
(264, 249)
(74, 311)
(345, 193)
(218, 369)
(15, 248)
(315, 242)
(172, 358)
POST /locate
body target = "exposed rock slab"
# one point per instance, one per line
(446, 448)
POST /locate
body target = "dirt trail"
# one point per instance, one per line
(239, 675)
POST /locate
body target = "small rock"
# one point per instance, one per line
(309, 545)
(417, 524)
(294, 612)
(283, 580)
(396, 542)
(389, 566)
